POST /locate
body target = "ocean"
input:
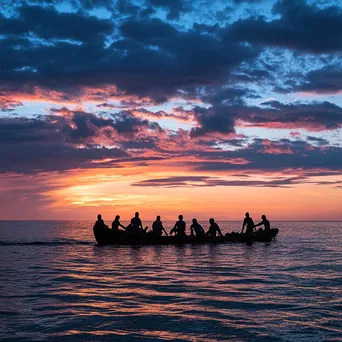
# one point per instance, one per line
(56, 284)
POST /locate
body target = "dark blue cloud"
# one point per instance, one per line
(325, 80)
(151, 58)
(301, 27)
(222, 118)
(147, 30)
(47, 23)
(174, 7)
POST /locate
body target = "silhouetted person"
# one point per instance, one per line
(179, 227)
(100, 223)
(116, 223)
(157, 227)
(265, 223)
(213, 229)
(199, 231)
(136, 223)
(249, 223)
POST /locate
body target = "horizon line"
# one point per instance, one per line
(46, 220)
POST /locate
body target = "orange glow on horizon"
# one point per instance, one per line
(83, 194)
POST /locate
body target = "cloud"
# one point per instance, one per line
(222, 119)
(326, 80)
(212, 121)
(47, 23)
(174, 7)
(203, 181)
(147, 30)
(314, 116)
(8, 105)
(301, 27)
(150, 59)
(76, 140)
(273, 156)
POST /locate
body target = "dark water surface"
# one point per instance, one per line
(56, 284)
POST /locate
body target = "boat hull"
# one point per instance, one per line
(119, 237)
(260, 236)
(105, 236)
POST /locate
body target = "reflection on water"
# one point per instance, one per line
(57, 284)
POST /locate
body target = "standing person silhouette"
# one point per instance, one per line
(179, 227)
(249, 223)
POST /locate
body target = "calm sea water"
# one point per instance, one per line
(57, 285)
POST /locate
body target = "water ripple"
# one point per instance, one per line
(66, 288)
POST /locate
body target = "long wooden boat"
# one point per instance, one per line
(106, 236)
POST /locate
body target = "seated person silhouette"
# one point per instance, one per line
(197, 228)
(100, 223)
(136, 224)
(179, 227)
(157, 227)
(249, 223)
(213, 229)
(116, 223)
(265, 223)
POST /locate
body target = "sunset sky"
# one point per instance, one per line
(209, 108)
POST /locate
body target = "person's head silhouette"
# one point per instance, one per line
(99, 217)
(180, 217)
(158, 218)
(136, 214)
(211, 221)
(263, 217)
(247, 214)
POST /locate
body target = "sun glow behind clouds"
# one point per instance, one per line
(89, 192)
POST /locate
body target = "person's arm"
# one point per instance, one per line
(122, 226)
(202, 230)
(164, 230)
(254, 226)
(259, 224)
(219, 230)
(243, 226)
(173, 230)
(192, 230)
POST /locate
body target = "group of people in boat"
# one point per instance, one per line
(179, 228)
